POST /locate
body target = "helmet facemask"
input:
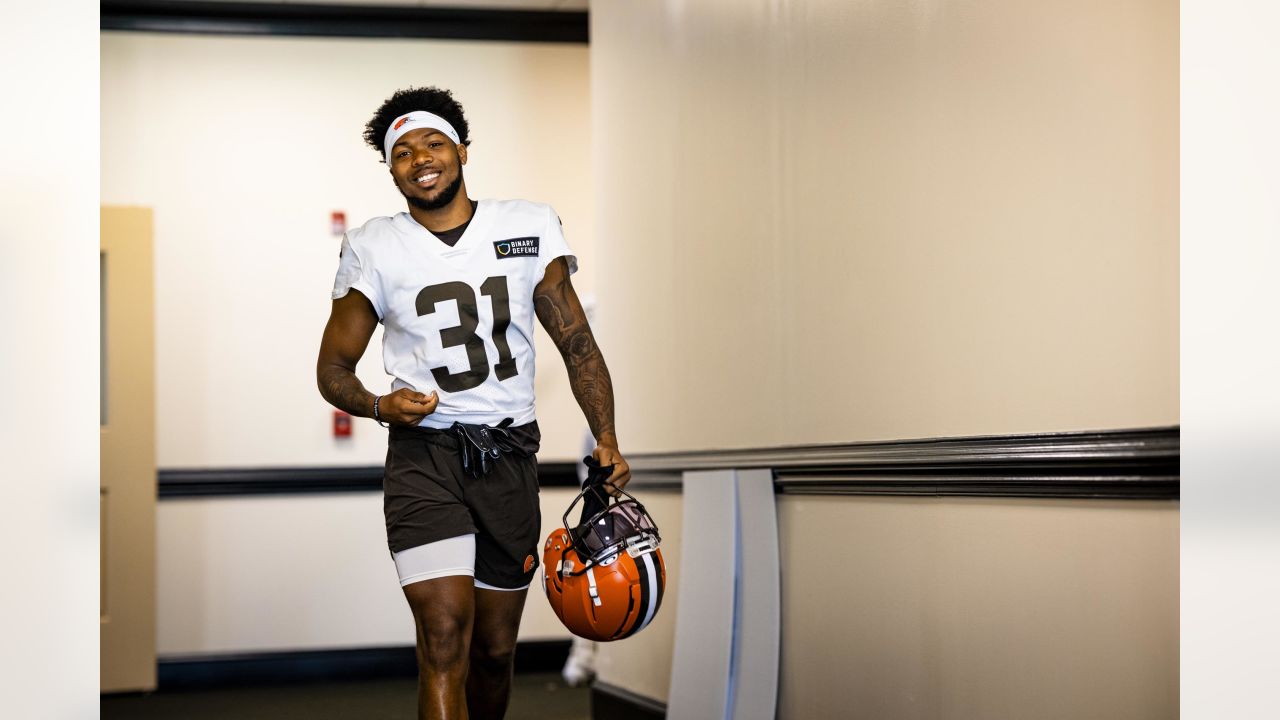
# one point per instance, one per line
(609, 525)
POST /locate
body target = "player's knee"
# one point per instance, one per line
(443, 636)
(494, 654)
(445, 643)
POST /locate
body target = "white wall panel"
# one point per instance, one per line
(313, 572)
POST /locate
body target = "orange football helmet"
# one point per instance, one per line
(604, 577)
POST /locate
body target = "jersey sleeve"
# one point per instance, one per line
(553, 245)
(353, 276)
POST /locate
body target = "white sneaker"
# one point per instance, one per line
(576, 673)
(580, 667)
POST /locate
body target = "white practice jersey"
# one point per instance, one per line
(458, 320)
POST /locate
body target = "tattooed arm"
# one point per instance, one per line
(562, 315)
(351, 324)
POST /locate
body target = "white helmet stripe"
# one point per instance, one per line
(651, 579)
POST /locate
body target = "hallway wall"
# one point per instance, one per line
(838, 221)
(243, 146)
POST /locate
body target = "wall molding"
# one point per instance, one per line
(1131, 463)
(209, 482)
(1117, 487)
(250, 18)
(1122, 464)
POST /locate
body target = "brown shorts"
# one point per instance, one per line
(427, 497)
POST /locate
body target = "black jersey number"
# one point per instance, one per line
(465, 332)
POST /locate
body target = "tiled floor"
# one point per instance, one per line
(533, 697)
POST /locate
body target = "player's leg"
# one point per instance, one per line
(431, 536)
(493, 648)
(443, 610)
(505, 508)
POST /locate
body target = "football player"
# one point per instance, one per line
(456, 284)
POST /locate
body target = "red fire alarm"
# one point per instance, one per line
(337, 222)
(341, 424)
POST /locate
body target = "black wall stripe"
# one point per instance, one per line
(174, 483)
(243, 669)
(1101, 487)
(248, 18)
(1118, 464)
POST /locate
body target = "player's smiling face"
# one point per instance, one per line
(427, 167)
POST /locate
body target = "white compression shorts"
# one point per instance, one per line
(442, 558)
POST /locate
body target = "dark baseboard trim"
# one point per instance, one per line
(250, 18)
(609, 702)
(236, 670)
(186, 483)
(542, 656)
(558, 474)
(1122, 464)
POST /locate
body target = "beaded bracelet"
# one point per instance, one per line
(376, 416)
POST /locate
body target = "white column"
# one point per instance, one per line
(754, 674)
(725, 661)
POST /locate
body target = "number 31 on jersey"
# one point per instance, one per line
(465, 332)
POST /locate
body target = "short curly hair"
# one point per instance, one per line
(430, 99)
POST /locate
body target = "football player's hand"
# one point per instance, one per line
(606, 453)
(406, 406)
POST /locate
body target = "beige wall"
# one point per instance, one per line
(965, 608)
(837, 221)
(243, 146)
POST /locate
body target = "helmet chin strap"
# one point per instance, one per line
(591, 587)
(593, 503)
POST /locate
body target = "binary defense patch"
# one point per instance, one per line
(516, 247)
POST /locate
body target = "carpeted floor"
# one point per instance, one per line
(534, 696)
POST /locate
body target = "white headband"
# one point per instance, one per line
(415, 120)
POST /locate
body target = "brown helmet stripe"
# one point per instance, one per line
(648, 593)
